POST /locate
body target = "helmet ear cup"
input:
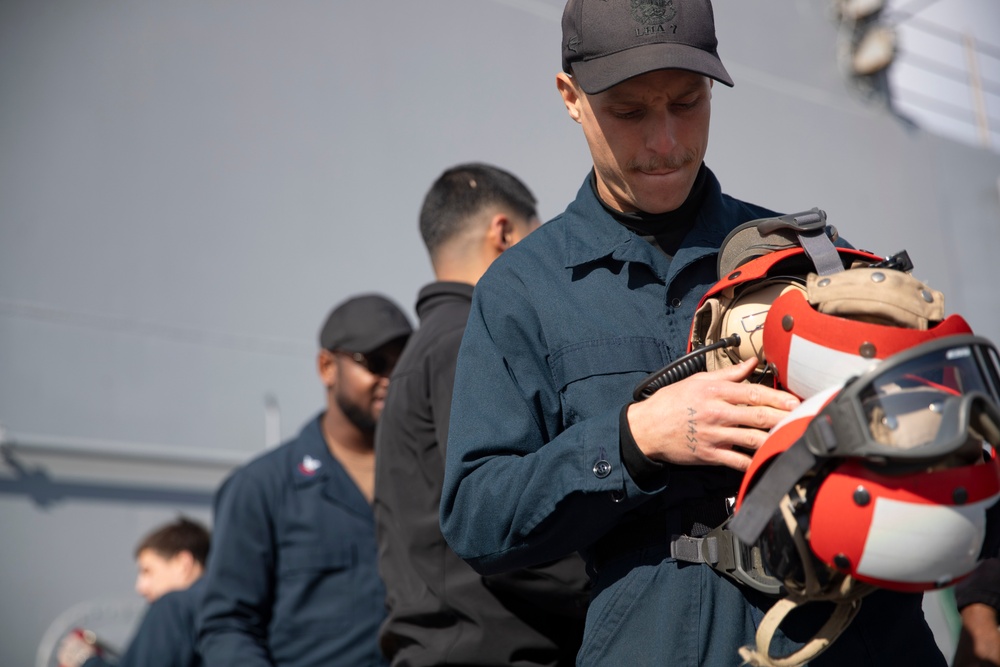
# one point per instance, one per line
(742, 312)
(747, 313)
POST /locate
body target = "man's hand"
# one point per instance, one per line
(708, 418)
(981, 638)
(76, 648)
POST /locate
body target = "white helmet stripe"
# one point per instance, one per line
(923, 543)
(813, 367)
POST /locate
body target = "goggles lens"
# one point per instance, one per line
(926, 401)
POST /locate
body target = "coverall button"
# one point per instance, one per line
(617, 496)
(602, 468)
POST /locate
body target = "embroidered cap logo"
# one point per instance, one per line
(653, 12)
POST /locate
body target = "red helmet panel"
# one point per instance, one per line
(909, 532)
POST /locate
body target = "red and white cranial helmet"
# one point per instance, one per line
(812, 313)
(883, 476)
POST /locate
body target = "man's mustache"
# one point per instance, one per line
(661, 163)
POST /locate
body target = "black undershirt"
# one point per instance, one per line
(665, 231)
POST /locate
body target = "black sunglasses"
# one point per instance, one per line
(376, 363)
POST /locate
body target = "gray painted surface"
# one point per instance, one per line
(186, 188)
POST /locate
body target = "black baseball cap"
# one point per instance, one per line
(608, 41)
(363, 324)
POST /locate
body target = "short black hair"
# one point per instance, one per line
(184, 534)
(464, 190)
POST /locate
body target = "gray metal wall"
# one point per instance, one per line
(187, 187)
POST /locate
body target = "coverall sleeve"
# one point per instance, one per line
(239, 587)
(519, 488)
(982, 586)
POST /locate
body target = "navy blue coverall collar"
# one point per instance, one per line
(606, 237)
(315, 464)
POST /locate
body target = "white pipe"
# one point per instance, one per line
(109, 449)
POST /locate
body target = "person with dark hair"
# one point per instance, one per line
(170, 560)
(457, 204)
(441, 611)
(548, 453)
(293, 579)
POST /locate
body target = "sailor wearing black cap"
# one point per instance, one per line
(293, 577)
(547, 454)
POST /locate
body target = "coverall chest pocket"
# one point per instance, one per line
(596, 375)
(315, 586)
(311, 560)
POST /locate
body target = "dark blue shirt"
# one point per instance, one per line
(166, 636)
(293, 576)
(563, 326)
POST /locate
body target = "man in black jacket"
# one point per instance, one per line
(441, 612)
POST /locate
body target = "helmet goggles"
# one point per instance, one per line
(918, 406)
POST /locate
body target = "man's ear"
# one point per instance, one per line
(326, 365)
(570, 95)
(500, 233)
(184, 560)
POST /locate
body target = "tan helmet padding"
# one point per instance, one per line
(880, 296)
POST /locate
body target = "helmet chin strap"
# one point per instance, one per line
(844, 591)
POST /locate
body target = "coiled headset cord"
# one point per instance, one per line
(684, 367)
